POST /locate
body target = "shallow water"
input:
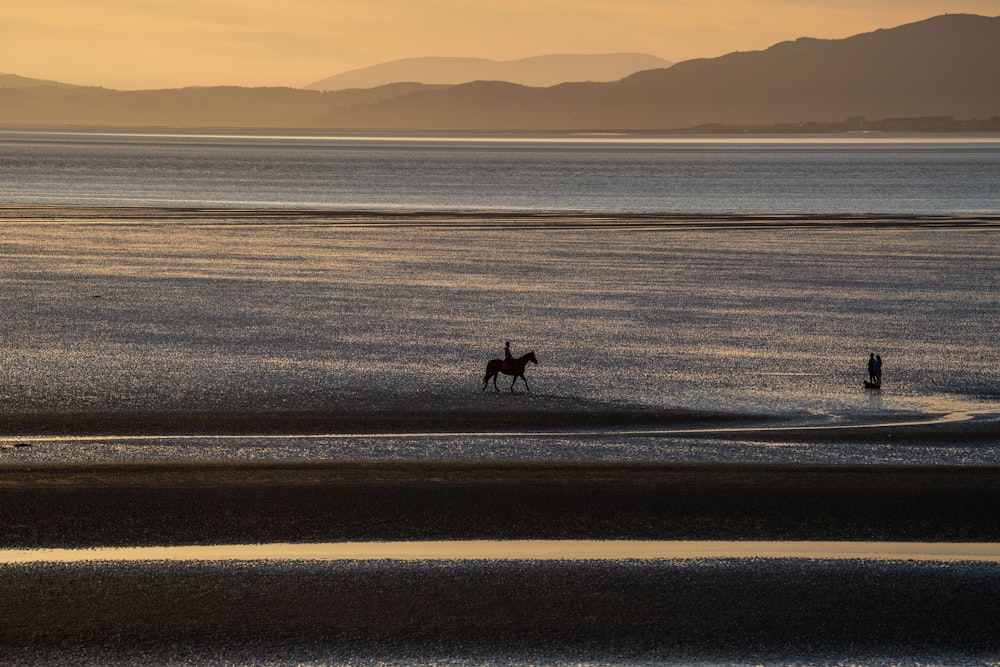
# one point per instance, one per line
(307, 316)
(698, 445)
(521, 550)
(189, 317)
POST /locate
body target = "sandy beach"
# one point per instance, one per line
(174, 323)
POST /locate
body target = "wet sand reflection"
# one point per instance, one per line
(533, 550)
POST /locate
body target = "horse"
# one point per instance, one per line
(513, 367)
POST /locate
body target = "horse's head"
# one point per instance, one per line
(531, 357)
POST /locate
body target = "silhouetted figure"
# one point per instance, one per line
(507, 357)
(513, 367)
(878, 370)
(871, 368)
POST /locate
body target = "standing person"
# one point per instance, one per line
(878, 370)
(871, 368)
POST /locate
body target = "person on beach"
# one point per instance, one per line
(871, 368)
(877, 368)
(507, 356)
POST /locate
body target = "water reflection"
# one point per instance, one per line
(535, 550)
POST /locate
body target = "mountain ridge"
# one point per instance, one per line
(933, 69)
(16, 81)
(539, 71)
(943, 66)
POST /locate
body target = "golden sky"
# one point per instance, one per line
(137, 44)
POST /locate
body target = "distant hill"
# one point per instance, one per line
(943, 66)
(219, 106)
(536, 71)
(15, 81)
(930, 70)
(36, 87)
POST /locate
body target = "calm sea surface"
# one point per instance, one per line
(862, 174)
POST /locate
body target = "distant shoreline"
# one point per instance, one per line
(917, 127)
(457, 219)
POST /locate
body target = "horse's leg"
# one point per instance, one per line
(495, 376)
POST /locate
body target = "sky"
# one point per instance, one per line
(144, 44)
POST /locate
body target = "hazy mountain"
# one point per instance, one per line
(536, 71)
(354, 96)
(15, 81)
(944, 66)
(221, 106)
(35, 88)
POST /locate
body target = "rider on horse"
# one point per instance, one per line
(509, 365)
(507, 357)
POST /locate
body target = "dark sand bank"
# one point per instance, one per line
(79, 505)
(376, 612)
(743, 610)
(473, 415)
(770, 611)
(461, 417)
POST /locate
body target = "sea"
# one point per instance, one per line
(871, 173)
(742, 277)
(256, 313)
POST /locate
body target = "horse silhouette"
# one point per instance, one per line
(513, 367)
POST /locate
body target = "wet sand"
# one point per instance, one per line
(469, 413)
(717, 610)
(463, 414)
(617, 611)
(81, 505)
(745, 611)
